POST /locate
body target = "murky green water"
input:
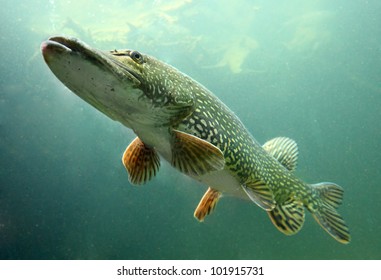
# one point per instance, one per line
(309, 70)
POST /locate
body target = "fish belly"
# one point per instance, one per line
(224, 182)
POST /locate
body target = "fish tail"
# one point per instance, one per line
(323, 209)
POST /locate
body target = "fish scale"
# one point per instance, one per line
(243, 155)
(177, 118)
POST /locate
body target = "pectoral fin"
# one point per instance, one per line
(195, 156)
(260, 194)
(207, 204)
(142, 162)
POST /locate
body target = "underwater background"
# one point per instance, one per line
(308, 70)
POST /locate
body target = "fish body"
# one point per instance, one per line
(180, 120)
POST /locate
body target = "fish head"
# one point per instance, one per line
(127, 86)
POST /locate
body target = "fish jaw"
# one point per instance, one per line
(96, 77)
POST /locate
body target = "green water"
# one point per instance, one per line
(309, 70)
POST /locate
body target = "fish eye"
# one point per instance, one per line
(137, 57)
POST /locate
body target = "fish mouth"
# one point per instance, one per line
(60, 45)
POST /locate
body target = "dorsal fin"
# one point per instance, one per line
(283, 149)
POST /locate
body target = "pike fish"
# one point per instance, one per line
(177, 119)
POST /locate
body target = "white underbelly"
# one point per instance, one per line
(222, 180)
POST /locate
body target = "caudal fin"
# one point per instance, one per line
(330, 197)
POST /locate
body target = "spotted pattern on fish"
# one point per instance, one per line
(243, 155)
(193, 130)
(208, 118)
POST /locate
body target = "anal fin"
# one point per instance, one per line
(260, 194)
(288, 217)
(141, 161)
(195, 156)
(207, 204)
